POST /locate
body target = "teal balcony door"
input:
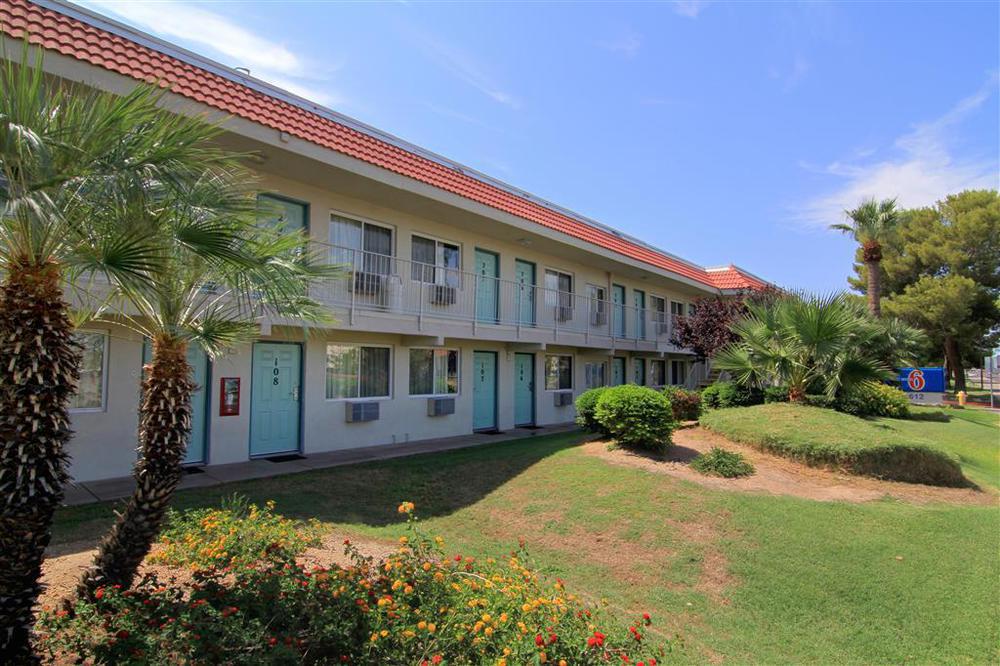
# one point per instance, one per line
(524, 276)
(617, 371)
(197, 447)
(618, 309)
(487, 286)
(484, 390)
(640, 314)
(639, 378)
(275, 414)
(524, 389)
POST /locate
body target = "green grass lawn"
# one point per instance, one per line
(746, 578)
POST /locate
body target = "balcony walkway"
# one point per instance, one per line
(213, 475)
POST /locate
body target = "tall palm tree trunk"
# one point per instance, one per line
(164, 427)
(39, 369)
(954, 358)
(874, 288)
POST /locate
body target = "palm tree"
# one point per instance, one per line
(804, 342)
(870, 224)
(63, 151)
(218, 273)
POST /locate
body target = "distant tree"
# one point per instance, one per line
(872, 224)
(960, 236)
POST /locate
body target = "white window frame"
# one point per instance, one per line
(391, 378)
(440, 271)
(552, 299)
(104, 373)
(666, 372)
(572, 372)
(458, 355)
(333, 212)
(650, 297)
(604, 371)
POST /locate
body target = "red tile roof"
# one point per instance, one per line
(733, 278)
(76, 38)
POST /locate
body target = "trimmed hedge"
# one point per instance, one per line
(686, 404)
(875, 399)
(636, 417)
(728, 394)
(586, 403)
(826, 438)
(775, 394)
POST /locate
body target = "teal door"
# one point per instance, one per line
(617, 371)
(274, 403)
(640, 314)
(484, 390)
(524, 389)
(640, 372)
(618, 309)
(198, 440)
(524, 276)
(487, 286)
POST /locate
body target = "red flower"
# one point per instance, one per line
(646, 618)
(272, 641)
(553, 638)
(597, 640)
(99, 593)
(539, 641)
(122, 634)
(437, 659)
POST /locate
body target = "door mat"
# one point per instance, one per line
(288, 457)
(194, 470)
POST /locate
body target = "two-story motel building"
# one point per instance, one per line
(467, 304)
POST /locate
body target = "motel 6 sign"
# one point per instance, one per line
(924, 386)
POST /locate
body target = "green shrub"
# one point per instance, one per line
(827, 438)
(418, 606)
(719, 462)
(637, 417)
(586, 403)
(235, 534)
(775, 394)
(875, 399)
(729, 394)
(685, 404)
(820, 400)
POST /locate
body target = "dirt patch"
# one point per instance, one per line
(64, 564)
(780, 476)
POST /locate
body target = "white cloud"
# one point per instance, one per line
(223, 40)
(689, 8)
(626, 43)
(924, 169)
(461, 64)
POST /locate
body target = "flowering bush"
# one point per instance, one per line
(636, 416)
(235, 534)
(685, 404)
(418, 606)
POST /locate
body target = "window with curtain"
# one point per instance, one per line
(658, 373)
(595, 374)
(433, 371)
(90, 389)
(362, 245)
(678, 372)
(558, 372)
(435, 262)
(354, 371)
(558, 289)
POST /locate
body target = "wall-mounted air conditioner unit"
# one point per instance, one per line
(563, 398)
(440, 406)
(443, 295)
(359, 412)
(366, 283)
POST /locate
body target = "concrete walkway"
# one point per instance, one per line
(213, 475)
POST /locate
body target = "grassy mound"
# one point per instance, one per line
(825, 438)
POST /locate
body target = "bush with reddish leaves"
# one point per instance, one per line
(418, 606)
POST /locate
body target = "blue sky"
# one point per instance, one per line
(721, 132)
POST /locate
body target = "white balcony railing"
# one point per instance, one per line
(377, 283)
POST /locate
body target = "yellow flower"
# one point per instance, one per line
(427, 566)
(403, 540)
(501, 662)
(526, 608)
(431, 627)
(383, 633)
(487, 617)
(542, 657)
(489, 631)
(421, 625)
(562, 662)
(503, 617)
(409, 633)
(406, 507)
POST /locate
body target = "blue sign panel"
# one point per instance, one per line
(921, 380)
